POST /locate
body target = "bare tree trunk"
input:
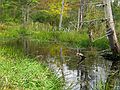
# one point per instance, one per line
(27, 13)
(86, 5)
(78, 23)
(23, 17)
(90, 33)
(14, 12)
(1, 10)
(80, 15)
(111, 28)
(61, 15)
(118, 2)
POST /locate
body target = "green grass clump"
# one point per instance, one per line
(101, 44)
(42, 36)
(73, 38)
(9, 34)
(22, 73)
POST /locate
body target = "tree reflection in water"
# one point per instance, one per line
(113, 80)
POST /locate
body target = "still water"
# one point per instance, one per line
(93, 73)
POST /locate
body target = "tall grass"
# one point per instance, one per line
(101, 44)
(20, 72)
(41, 34)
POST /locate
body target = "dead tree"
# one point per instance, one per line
(90, 32)
(80, 14)
(111, 28)
(61, 15)
(25, 15)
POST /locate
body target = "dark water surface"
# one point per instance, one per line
(93, 73)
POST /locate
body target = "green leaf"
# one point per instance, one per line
(35, 1)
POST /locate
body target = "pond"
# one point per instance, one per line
(92, 73)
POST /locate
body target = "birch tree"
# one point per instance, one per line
(61, 15)
(81, 11)
(80, 14)
(111, 28)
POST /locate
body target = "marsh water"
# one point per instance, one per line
(92, 73)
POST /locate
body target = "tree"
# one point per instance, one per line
(111, 28)
(80, 14)
(61, 15)
(25, 7)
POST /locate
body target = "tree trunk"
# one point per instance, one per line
(1, 10)
(78, 23)
(118, 2)
(90, 33)
(61, 15)
(25, 19)
(111, 28)
(80, 14)
(25, 15)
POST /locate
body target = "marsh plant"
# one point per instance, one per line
(21, 72)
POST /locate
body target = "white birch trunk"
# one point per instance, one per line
(112, 37)
(81, 12)
(78, 23)
(61, 15)
(80, 15)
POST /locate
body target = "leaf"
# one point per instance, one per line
(34, 1)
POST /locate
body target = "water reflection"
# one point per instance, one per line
(85, 75)
(113, 80)
(92, 73)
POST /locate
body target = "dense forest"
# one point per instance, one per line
(32, 32)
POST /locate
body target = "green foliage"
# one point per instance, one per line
(101, 44)
(100, 85)
(42, 36)
(44, 16)
(116, 11)
(71, 38)
(74, 38)
(9, 34)
(51, 14)
(20, 72)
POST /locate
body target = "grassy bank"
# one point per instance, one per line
(22, 73)
(42, 35)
